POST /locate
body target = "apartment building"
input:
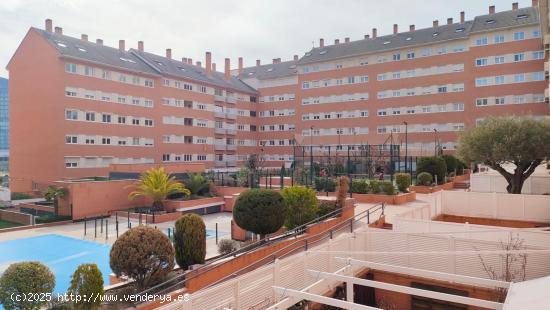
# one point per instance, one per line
(4, 142)
(92, 105)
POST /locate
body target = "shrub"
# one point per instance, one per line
(243, 176)
(326, 207)
(374, 186)
(226, 246)
(424, 178)
(261, 211)
(323, 184)
(301, 205)
(433, 165)
(190, 240)
(144, 254)
(87, 280)
(403, 181)
(342, 191)
(50, 218)
(19, 196)
(360, 186)
(451, 162)
(460, 167)
(387, 188)
(197, 184)
(23, 279)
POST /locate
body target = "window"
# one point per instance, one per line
(165, 157)
(481, 62)
(135, 121)
(149, 122)
(148, 83)
(364, 79)
(201, 157)
(305, 85)
(519, 100)
(499, 60)
(482, 102)
(122, 119)
(410, 55)
(396, 75)
(89, 141)
(106, 75)
(519, 57)
(499, 79)
(536, 33)
(106, 141)
(135, 141)
(70, 93)
(187, 157)
(106, 118)
(458, 106)
(538, 55)
(396, 57)
(70, 68)
(481, 82)
(519, 36)
(518, 78)
(71, 164)
(71, 139)
(71, 114)
(538, 76)
(351, 80)
(88, 71)
(442, 51)
(381, 77)
(442, 89)
(499, 100)
(481, 41)
(90, 116)
(499, 38)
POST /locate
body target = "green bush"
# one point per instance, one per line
(87, 280)
(197, 183)
(23, 279)
(424, 178)
(190, 240)
(460, 167)
(326, 207)
(435, 166)
(19, 196)
(387, 188)
(261, 211)
(360, 186)
(226, 246)
(323, 184)
(403, 181)
(50, 218)
(144, 254)
(451, 162)
(374, 186)
(301, 205)
(342, 190)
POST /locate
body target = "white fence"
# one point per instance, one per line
(497, 206)
(493, 182)
(4, 194)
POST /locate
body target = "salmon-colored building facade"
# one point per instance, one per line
(78, 106)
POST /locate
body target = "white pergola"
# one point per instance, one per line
(292, 295)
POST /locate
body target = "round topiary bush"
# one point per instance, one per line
(435, 166)
(261, 211)
(403, 181)
(87, 280)
(144, 254)
(424, 178)
(374, 186)
(387, 188)
(360, 186)
(301, 205)
(22, 279)
(226, 246)
(190, 240)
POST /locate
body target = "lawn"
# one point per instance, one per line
(6, 224)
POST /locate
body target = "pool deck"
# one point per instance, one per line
(76, 230)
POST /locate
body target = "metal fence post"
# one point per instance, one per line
(106, 229)
(95, 228)
(85, 222)
(116, 226)
(216, 233)
(129, 225)
(101, 226)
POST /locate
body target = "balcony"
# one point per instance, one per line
(231, 99)
(231, 147)
(220, 147)
(220, 131)
(219, 114)
(231, 163)
(220, 163)
(231, 132)
(220, 98)
(231, 115)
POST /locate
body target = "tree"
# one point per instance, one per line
(23, 279)
(157, 184)
(498, 142)
(403, 181)
(87, 280)
(261, 211)
(451, 162)
(53, 193)
(144, 254)
(342, 190)
(301, 205)
(190, 240)
(435, 166)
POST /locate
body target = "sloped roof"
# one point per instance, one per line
(270, 71)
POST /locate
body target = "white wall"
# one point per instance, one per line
(491, 181)
(4, 194)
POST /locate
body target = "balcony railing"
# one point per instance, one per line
(231, 99)
(231, 147)
(231, 163)
(231, 131)
(219, 98)
(219, 114)
(219, 147)
(220, 163)
(220, 131)
(231, 115)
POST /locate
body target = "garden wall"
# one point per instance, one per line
(431, 189)
(401, 198)
(173, 205)
(537, 184)
(168, 167)
(16, 217)
(36, 207)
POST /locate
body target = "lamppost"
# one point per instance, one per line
(435, 142)
(311, 156)
(406, 144)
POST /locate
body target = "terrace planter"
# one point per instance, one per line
(431, 189)
(398, 199)
(173, 205)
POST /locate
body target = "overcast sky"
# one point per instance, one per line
(254, 29)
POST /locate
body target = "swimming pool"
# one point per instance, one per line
(60, 253)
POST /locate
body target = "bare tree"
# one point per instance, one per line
(384, 303)
(512, 266)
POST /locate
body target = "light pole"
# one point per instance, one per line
(435, 142)
(406, 144)
(311, 156)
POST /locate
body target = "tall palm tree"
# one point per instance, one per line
(157, 184)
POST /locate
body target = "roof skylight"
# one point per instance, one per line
(81, 49)
(522, 16)
(127, 60)
(61, 44)
(435, 34)
(408, 38)
(459, 30)
(322, 52)
(490, 21)
(386, 42)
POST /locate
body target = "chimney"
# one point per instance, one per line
(435, 23)
(213, 67)
(58, 30)
(296, 58)
(321, 42)
(49, 25)
(189, 61)
(84, 37)
(198, 63)
(514, 6)
(367, 36)
(240, 65)
(492, 9)
(184, 60)
(449, 21)
(257, 62)
(346, 40)
(99, 41)
(169, 53)
(121, 46)
(462, 17)
(374, 32)
(208, 64)
(534, 2)
(394, 28)
(336, 41)
(276, 60)
(227, 69)
(140, 46)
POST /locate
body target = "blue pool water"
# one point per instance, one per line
(61, 254)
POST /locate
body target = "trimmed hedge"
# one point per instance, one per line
(301, 205)
(261, 211)
(403, 181)
(190, 240)
(323, 184)
(424, 178)
(50, 218)
(28, 279)
(360, 186)
(387, 188)
(435, 166)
